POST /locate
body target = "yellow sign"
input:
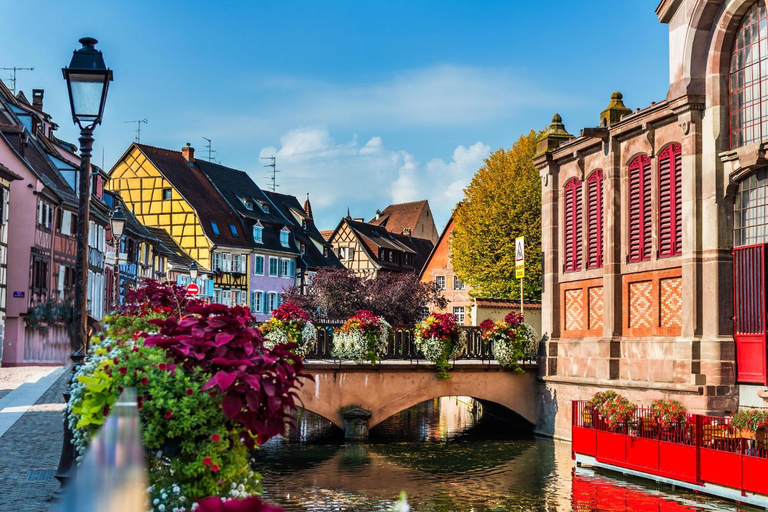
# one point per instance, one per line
(519, 271)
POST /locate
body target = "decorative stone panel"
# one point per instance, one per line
(641, 305)
(595, 308)
(671, 302)
(574, 310)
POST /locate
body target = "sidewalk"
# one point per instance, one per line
(30, 436)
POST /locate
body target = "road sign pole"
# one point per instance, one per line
(521, 296)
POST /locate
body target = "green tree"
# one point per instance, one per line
(502, 202)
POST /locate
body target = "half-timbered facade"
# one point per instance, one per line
(368, 249)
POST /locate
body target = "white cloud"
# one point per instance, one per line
(369, 176)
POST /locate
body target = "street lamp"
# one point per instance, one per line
(87, 82)
(118, 225)
(193, 271)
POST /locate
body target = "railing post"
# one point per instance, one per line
(698, 433)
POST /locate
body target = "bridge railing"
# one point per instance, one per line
(402, 347)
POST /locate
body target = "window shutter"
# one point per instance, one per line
(670, 207)
(640, 219)
(595, 219)
(572, 226)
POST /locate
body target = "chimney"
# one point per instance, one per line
(407, 232)
(37, 99)
(188, 152)
(378, 214)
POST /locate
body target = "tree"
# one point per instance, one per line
(338, 293)
(502, 202)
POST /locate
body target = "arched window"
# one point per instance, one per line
(572, 226)
(640, 220)
(670, 206)
(748, 80)
(595, 219)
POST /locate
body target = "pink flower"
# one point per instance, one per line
(207, 461)
(214, 468)
(144, 381)
(190, 391)
(162, 366)
(123, 370)
(168, 414)
(215, 438)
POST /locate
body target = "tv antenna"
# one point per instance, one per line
(273, 177)
(138, 128)
(13, 77)
(211, 152)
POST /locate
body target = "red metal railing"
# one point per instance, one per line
(702, 449)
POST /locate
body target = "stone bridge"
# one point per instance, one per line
(365, 396)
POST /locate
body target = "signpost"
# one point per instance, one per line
(192, 289)
(520, 265)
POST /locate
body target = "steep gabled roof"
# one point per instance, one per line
(397, 217)
(375, 237)
(177, 256)
(443, 236)
(195, 187)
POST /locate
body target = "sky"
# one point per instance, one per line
(362, 103)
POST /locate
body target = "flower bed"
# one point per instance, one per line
(439, 338)
(290, 324)
(363, 337)
(208, 392)
(512, 339)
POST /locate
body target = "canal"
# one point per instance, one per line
(449, 454)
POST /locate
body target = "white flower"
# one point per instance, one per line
(155, 501)
(161, 508)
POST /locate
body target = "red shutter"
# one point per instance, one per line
(670, 211)
(640, 214)
(572, 226)
(595, 219)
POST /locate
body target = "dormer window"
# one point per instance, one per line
(326, 252)
(264, 206)
(258, 233)
(304, 223)
(233, 230)
(247, 203)
(215, 228)
(303, 249)
(285, 236)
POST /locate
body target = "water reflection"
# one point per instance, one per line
(449, 454)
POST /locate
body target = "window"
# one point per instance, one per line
(39, 274)
(458, 312)
(348, 253)
(44, 214)
(246, 202)
(284, 236)
(572, 226)
(326, 252)
(257, 301)
(166, 194)
(215, 228)
(284, 271)
(303, 249)
(457, 285)
(233, 230)
(258, 233)
(258, 264)
(670, 204)
(292, 268)
(748, 103)
(640, 209)
(751, 210)
(239, 263)
(272, 302)
(264, 206)
(595, 219)
(273, 264)
(440, 280)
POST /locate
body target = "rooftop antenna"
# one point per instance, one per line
(138, 128)
(13, 77)
(273, 165)
(211, 152)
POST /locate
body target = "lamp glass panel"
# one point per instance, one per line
(87, 90)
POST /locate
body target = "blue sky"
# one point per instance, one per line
(363, 103)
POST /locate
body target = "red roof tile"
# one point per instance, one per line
(397, 217)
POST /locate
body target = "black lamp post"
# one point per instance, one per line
(118, 224)
(87, 82)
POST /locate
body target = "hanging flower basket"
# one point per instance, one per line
(363, 337)
(290, 324)
(440, 339)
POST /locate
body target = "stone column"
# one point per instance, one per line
(612, 253)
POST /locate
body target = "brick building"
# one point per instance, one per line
(654, 229)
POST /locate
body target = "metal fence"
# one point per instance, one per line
(402, 347)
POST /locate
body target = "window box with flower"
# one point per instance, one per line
(440, 339)
(363, 337)
(290, 324)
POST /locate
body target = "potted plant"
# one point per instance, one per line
(752, 423)
(439, 338)
(615, 411)
(363, 337)
(290, 324)
(511, 340)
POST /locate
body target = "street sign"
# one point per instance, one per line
(519, 257)
(193, 289)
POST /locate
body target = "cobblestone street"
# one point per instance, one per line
(30, 448)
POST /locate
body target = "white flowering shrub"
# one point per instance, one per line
(363, 337)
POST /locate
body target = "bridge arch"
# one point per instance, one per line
(385, 391)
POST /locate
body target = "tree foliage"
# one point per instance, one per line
(502, 202)
(338, 294)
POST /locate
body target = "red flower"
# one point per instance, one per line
(162, 366)
(144, 381)
(207, 461)
(215, 438)
(214, 468)
(116, 361)
(168, 414)
(123, 370)
(105, 410)
(141, 403)
(190, 391)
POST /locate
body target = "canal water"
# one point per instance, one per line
(450, 454)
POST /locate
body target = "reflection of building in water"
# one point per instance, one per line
(455, 414)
